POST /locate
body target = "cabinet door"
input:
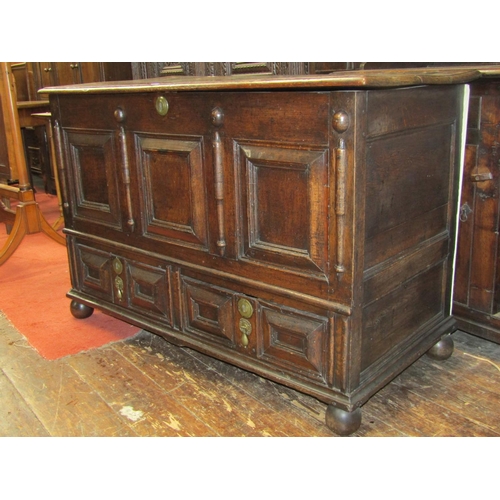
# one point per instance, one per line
(47, 74)
(68, 73)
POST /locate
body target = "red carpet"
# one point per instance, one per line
(33, 286)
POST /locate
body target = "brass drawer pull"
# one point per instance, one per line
(244, 340)
(246, 330)
(245, 327)
(119, 287)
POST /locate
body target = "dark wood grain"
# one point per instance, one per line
(365, 78)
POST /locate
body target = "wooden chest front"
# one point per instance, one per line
(305, 235)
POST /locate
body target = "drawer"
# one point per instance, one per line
(285, 338)
(218, 315)
(124, 282)
(294, 340)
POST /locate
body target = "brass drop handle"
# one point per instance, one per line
(119, 287)
(47, 69)
(73, 66)
(245, 326)
(246, 330)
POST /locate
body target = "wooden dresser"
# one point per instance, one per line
(302, 228)
(477, 289)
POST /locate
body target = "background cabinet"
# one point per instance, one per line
(477, 289)
(49, 74)
(33, 76)
(156, 69)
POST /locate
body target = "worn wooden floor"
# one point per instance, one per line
(147, 387)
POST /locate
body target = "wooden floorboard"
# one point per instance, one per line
(146, 387)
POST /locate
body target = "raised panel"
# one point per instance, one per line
(392, 320)
(94, 272)
(208, 310)
(172, 174)
(276, 179)
(149, 290)
(407, 190)
(93, 172)
(295, 341)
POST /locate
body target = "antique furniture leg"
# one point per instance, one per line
(442, 349)
(343, 422)
(79, 310)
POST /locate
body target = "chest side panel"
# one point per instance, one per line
(411, 184)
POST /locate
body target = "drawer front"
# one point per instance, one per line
(284, 338)
(219, 316)
(93, 271)
(294, 340)
(207, 312)
(124, 282)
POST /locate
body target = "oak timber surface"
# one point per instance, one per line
(147, 387)
(345, 79)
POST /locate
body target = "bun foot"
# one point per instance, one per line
(343, 422)
(442, 350)
(79, 310)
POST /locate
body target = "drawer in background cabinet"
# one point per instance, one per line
(124, 282)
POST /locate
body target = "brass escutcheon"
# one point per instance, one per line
(245, 326)
(161, 105)
(117, 266)
(245, 308)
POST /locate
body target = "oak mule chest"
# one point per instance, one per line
(302, 228)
